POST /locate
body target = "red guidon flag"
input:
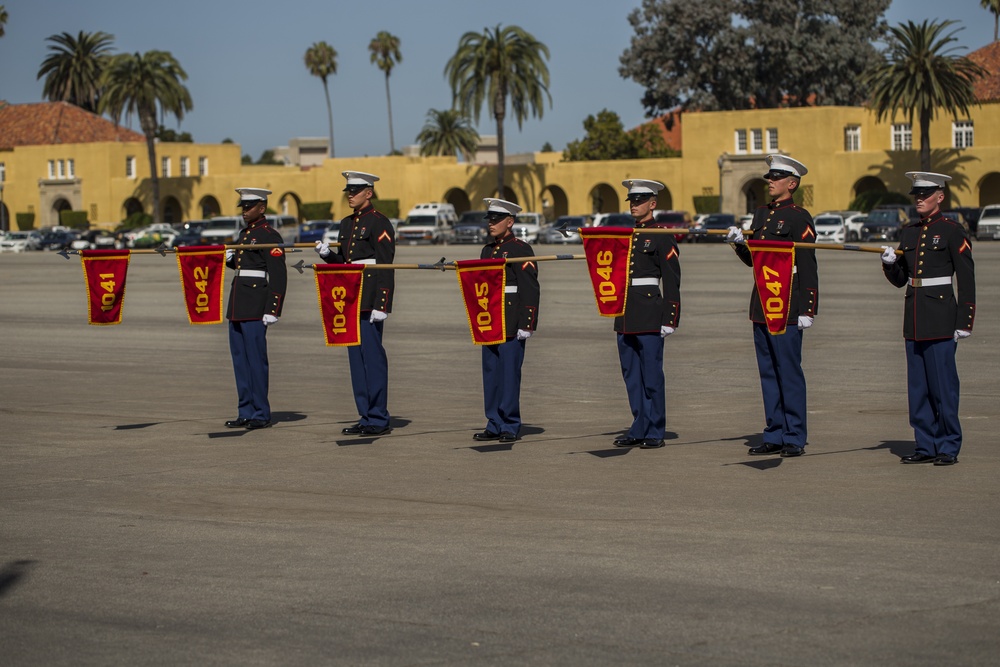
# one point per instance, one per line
(338, 287)
(104, 273)
(202, 271)
(608, 251)
(483, 282)
(773, 264)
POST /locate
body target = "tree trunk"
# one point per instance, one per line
(147, 120)
(329, 113)
(925, 139)
(388, 101)
(499, 111)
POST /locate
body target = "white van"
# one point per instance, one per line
(223, 229)
(427, 223)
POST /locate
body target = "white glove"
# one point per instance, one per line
(377, 316)
(805, 322)
(322, 248)
(888, 255)
(229, 254)
(523, 334)
(734, 235)
(961, 333)
(269, 319)
(666, 331)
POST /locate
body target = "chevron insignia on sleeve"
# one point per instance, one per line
(965, 246)
(672, 253)
(384, 236)
(808, 232)
(527, 264)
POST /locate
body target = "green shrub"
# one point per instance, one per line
(387, 207)
(137, 219)
(866, 201)
(73, 219)
(706, 204)
(316, 210)
(25, 221)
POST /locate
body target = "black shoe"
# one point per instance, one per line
(374, 430)
(485, 436)
(651, 443)
(788, 451)
(507, 438)
(257, 423)
(918, 458)
(237, 423)
(766, 448)
(945, 460)
(357, 429)
(626, 441)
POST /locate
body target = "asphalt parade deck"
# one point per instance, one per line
(136, 529)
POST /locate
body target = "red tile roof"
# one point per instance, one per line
(49, 123)
(669, 125)
(987, 89)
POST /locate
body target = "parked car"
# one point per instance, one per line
(675, 219)
(311, 231)
(971, 214)
(884, 224)
(854, 224)
(279, 221)
(155, 236)
(714, 221)
(427, 223)
(614, 220)
(566, 229)
(745, 221)
(189, 237)
(94, 239)
(830, 228)
(471, 228)
(221, 230)
(527, 226)
(58, 240)
(332, 232)
(14, 242)
(989, 223)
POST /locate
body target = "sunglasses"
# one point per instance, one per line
(494, 218)
(776, 176)
(639, 199)
(247, 205)
(355, 189)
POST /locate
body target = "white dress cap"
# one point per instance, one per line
(923, 180)
(501, 206)
(253, 194)
(786, 164)
(360, 178)
(638, 186)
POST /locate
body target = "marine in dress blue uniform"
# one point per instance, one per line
(933, 250)
(367, 237)
(652, 312)
(256, 297)
(779, 358)
(502, 362)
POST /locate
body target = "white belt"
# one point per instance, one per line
(930, 282)
(370, 260)
(645, 281)
(510, 289)
(251, 273)
(795, 269)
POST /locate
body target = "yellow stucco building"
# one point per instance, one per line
(82, 162)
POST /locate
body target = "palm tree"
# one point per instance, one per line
(448, 132)
(3, 19)
(321, 61)
(73, 70)
(385, 53)
(493, 67)
(994, 7)
(920, 76)
(143, 84)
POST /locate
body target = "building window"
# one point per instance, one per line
(130, 166)
(962, 134)
(772, 139)
(70, 168)
(61, 168)
(757, 138)
(185, 166)
(52, 169)
(852, 138)
(741, 141)
(165, 167)
(203, 166)
(3, 172)
(902, 137)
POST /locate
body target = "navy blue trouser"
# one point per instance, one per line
(783, 385)
(370, 375)
(248, 345)
(932, 390)
(641, 357)
(502, 386)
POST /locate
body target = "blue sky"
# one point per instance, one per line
(248, 81)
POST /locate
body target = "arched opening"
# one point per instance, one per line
(604, 199)
(459, 199)
(754, 195)
(665, 200)
(555, 204)
(508, 195)
(989, 189)
(4, 217)
(58, 206)
(289, 204)
(171, 209)
(868, 184)
(209, 206)
(131, 206)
